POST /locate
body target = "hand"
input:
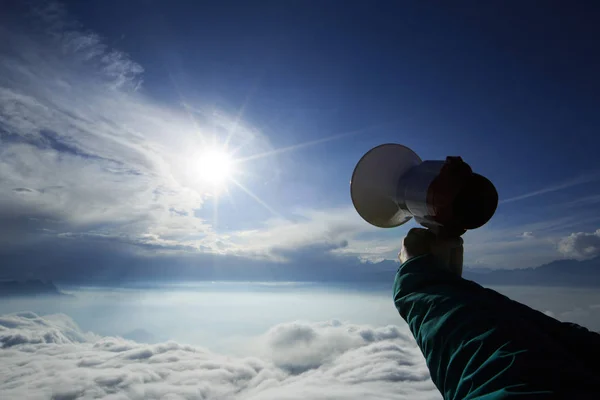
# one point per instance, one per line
(448, 252)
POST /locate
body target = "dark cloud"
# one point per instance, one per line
(49, 140)
(53, 359)
(23, 190)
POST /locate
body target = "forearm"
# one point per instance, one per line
(435, 304)
(476, 341)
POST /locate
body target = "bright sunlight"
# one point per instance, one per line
(215, 166)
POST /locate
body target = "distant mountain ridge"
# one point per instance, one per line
(30, 287)
(571, 273)
(556, 273)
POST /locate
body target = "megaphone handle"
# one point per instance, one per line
(456, 259)
(449, 252)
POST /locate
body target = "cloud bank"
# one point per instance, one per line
(49, 357)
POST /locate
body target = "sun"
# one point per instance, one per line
(215, 167)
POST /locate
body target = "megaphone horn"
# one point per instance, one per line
(391, 184)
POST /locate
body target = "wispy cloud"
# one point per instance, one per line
(87, 155)
(526, 235)
(308, 227)
(581, 201)
(81, 144)
(527, 244)
(343, 232)
(583, 179)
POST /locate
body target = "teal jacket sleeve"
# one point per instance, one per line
(479, 344)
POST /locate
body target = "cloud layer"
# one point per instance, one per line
(44, 357)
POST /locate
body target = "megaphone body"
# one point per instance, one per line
(391, 184)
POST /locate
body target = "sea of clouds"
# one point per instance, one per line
(51, 357)
(229, 341)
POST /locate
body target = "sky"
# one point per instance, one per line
(111, 115)
(181, 171)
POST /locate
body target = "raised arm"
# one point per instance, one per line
(480, 344)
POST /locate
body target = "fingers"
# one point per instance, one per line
(417, 242)
(447, 250)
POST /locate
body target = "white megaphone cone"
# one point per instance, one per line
(375, 182)
(391, 184)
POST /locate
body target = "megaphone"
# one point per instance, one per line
(391, 184)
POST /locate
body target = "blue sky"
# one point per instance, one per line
(109, 111)
(106, 106)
